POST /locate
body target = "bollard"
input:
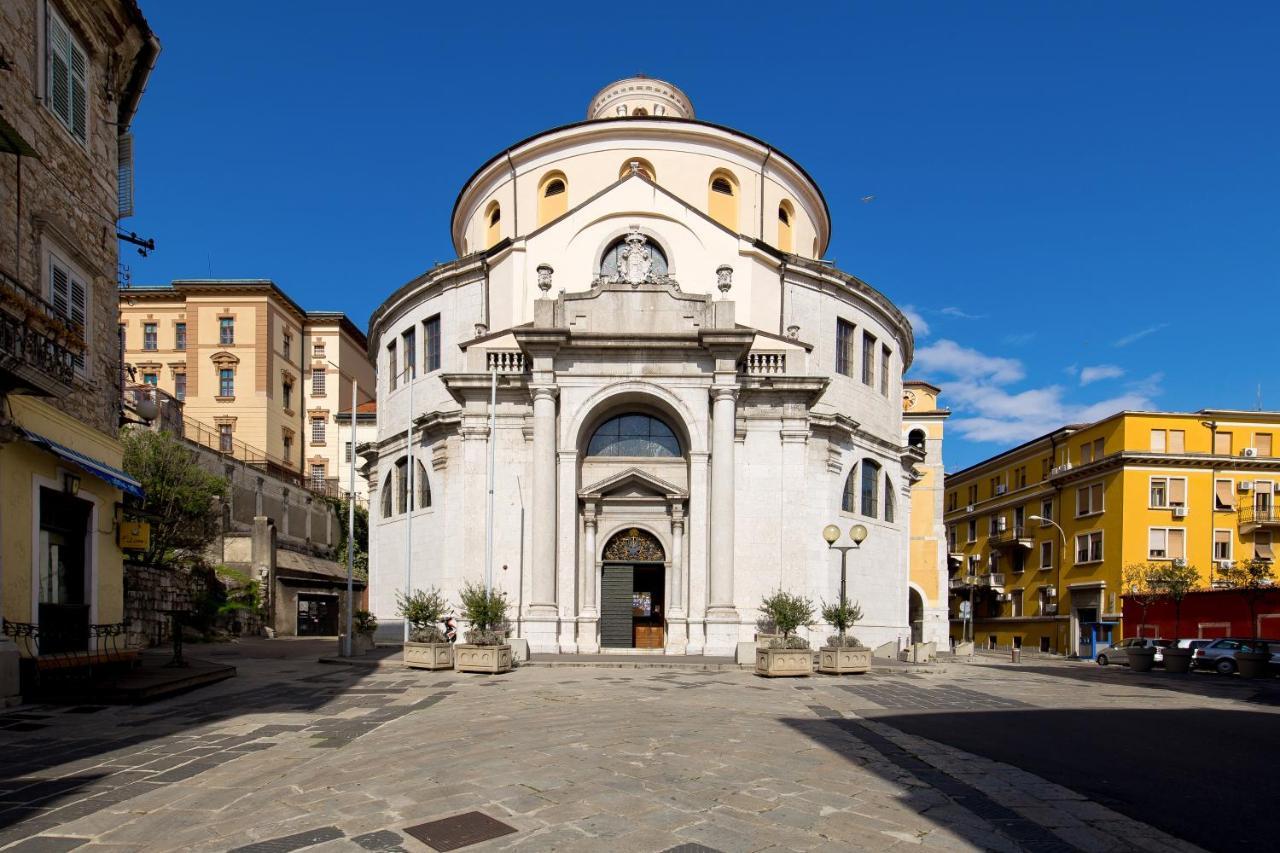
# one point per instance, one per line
(1015, 655)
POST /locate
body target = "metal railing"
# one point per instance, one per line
(37, 344)
(1008, 536)
(1259, 515)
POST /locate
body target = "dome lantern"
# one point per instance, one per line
(640, 96)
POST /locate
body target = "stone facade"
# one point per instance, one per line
(768, 380)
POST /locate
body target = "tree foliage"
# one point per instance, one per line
(787, 611)
(424, 610)
(486, 612)
(182, 498)
(1174, 580)
(360, 561)
(841, 614)
(1253, 579)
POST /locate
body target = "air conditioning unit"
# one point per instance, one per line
(1245, 485)
(968, 508)
(1179, 512)
(1225, 565)
(1179, 563)
(1249, 452)
(1051, 591)
(1001, 489)
(1050, 608)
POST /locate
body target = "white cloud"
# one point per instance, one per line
(918, 323)
(1100, 371)
(953, 311)
(1139, 335)
(976, 385)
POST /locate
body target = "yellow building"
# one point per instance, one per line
(73, 76)
(1135, 487)
(260, 377)
(922, 427)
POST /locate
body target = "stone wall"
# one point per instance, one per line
(148, 593)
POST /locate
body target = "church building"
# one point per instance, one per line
(639, 394)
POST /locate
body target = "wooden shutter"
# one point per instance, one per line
(616, 588)
(1177, 491)
(69, 297)
(1262, 443)
(124, 175)
(68, 72)
(79, 92)
(1222, 443)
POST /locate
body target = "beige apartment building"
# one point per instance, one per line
(261, 378)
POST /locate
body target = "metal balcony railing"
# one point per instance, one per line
(1016, 535)
(1253, 517)
(39, 348)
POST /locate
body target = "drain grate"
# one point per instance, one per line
(453, 833)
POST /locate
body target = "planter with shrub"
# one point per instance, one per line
(486, 648)
(788, 655)
(843, 653)
(427, 647)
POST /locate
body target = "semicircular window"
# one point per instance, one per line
(634, 435)
(609, 261)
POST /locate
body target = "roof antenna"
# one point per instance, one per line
(1259, 396)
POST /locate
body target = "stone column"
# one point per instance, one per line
(722, 618)
(697, 567)
(589, 617)
(677, 620)
(542, 593)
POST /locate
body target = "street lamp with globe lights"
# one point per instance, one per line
(857, 534)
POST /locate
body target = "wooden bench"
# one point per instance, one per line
(104, 648)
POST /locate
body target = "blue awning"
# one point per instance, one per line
(101, 470)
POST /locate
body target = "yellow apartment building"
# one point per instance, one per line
(260, 377)
(1037, 536)
(922, 427)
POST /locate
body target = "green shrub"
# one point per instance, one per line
(841, 615)
(788, 612)
(486, 615)
(365, 622)
(424, 611)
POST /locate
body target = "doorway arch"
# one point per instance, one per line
(915, 614)
(633, 591)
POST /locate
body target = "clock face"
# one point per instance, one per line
(909, 398)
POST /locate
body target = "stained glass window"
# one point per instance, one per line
(634, 435)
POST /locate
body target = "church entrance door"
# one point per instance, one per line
(633, 606)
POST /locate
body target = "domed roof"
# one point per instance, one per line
(640, 96)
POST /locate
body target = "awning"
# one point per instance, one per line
(11, 142)
(1226, 497)
(1263, 550)
(101, 470)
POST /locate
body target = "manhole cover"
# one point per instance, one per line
(452, 833)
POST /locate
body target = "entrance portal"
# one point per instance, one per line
(633, 592)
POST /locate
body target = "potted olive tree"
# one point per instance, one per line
(364, 626)
(427, 647)
(842, 653)
(1175, 581)
(787, 655)
(1137, 584)
(486, 648)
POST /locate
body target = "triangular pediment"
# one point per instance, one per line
(633, 483)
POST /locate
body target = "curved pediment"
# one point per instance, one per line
(633, 482)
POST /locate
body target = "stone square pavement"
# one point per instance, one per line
(297, 755)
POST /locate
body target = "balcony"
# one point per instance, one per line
(1010, 537)
(992, 580)
(38, 348)
(1253, 518)
(963, 582)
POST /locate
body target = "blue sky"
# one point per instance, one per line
(1076, 202)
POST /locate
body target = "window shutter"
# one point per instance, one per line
(59, 84)
(79, 91)
(60, 287)
(1178, 492)
(124, 176)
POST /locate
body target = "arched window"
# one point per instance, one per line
(387, 496)
(424, 486)
(722, 199)
(785, 216)
(493, 224)
(643, 166)
(870, 488)
(634, 435)
(916, 438)
(553, 197)
(609, 260)
(890, 503)
(402, 484)
(849, 500)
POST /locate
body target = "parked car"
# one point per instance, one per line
(1119, 652)
(1220, 655)
(1191, 643)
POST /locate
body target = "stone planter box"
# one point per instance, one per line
(1141, 660)
(360, 644)
(428, 655)
(1178, 660)
(784, 663)
(490, 659)
(1253, 664)
(836, 660)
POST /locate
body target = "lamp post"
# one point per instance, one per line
(1062, 533)
(351, 509)
(857, 534)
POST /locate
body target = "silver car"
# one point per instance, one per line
(1119, 652)
(1220, 655)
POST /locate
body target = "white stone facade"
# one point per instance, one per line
(731, 343)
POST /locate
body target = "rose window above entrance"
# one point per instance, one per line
(634, 435)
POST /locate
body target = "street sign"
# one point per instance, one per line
(965, 609)
(134, 535)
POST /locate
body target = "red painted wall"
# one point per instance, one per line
(1211, 613)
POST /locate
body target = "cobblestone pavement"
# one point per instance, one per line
(294, 755)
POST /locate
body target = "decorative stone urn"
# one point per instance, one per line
(428, 655)
(1141, 659)
(784, 663)
(839, 660)
(1253, 664)
(490, 659)
(1178, 660)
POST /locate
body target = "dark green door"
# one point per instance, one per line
(616, 588)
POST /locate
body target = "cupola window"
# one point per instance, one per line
(722, 201)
